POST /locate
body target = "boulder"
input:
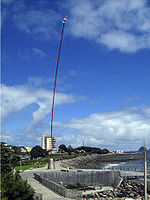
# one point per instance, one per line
(132, 195)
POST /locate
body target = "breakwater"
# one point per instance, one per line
(96, 161)
(126, 190)
(57, 180)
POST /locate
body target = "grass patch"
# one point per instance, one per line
(25, 167)
(78, 186)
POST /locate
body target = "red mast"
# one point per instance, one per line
(64, 21)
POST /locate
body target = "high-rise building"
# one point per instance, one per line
(46, 143)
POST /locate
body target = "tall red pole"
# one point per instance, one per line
(64, 21)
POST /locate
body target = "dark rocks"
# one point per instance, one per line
(127, 189)
(95, 161)
(132, 195)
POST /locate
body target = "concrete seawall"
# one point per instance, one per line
(57, 188)
(87, 178)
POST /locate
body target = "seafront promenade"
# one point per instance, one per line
(41, 192)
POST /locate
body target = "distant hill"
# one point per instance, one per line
(142, 149)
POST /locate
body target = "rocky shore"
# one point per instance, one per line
(127, 189)
(95, 161)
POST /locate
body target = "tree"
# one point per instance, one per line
(17, 150)
(63, 147)
(69, 150)
(105, 151)
(12, 186)
(70, 147)
(92, 150)
(8, 158)
(37, 151)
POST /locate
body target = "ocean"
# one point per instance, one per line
(137, 164)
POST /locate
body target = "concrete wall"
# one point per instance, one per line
(59, 189)
(87, 178)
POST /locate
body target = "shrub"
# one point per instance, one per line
(14, 188)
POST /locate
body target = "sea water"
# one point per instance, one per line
(135, 163)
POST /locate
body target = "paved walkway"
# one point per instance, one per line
(131, 174)
(46, 193)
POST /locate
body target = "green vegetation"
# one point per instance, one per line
(63, 148)
(37, 151)
(78, 186)
(8, 158)
(82, 149)
(92, 150)
(12, 186)
(25, 167)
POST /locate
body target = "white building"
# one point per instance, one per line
(46, 143)
(118, 152)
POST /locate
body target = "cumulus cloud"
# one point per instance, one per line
(10, 137)
(125, 129)
(16, 98)
(18, 138)
(123, 25)
(39, 23)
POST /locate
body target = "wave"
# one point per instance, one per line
(109, 166)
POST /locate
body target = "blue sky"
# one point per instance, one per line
(103, 87)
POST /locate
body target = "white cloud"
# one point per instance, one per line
(123, 25)
(38, 52)
(39, 23)
(124, 129)
(16, 98)
(27, 54)
(121, 40)
(38, 81)
(6, 136)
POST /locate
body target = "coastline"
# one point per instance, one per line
(97, 161)
(121, 191)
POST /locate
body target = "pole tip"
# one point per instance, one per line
(64, 20)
